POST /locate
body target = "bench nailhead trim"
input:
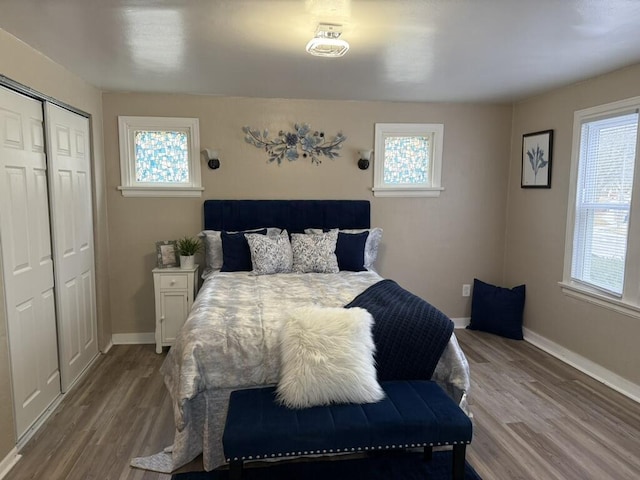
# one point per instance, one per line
(353, 449)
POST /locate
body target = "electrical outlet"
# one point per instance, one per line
(466, 290)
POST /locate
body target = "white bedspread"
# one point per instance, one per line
(230, 340)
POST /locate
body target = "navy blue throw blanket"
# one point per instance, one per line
(410, 334)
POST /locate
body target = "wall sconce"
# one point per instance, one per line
(365, 157)
(212, 158)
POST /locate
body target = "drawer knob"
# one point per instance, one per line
(173, 282)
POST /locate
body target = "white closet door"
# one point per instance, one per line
(27, 262)
(72, 227)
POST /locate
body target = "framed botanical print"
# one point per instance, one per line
(536, 159)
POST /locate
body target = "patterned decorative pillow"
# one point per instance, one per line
(236, 256)
(315, 252)
(212, 241)
(270, 255)
(370, 247)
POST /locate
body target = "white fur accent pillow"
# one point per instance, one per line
(327, 357)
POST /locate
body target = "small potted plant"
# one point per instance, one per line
(187, 248)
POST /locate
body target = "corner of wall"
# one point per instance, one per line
(508, 194)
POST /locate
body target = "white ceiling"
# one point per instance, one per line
(404, 50)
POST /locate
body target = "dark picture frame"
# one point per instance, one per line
(537, 153)
(167, 253)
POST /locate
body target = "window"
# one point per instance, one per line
(159, 156)
(408, 161)
(598, 259)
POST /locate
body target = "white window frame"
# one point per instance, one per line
(429, 189)
(629, 302)
(127, 128)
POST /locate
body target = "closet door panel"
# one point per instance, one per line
(41, 217)
(72, 226)
(27, 260)
(17, 220)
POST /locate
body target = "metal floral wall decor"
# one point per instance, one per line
(302, 142)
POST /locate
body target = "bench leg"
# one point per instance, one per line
(235, 470)
(458, 461)
(428, 454)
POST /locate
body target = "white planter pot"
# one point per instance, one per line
(187, 262)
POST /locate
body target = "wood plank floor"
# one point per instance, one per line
(535, 418)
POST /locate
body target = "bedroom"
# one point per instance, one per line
(484, 225)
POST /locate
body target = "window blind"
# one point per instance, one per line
(603, 200)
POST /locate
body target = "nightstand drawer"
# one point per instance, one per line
(173, 281)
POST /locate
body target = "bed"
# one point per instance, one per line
(230, 338)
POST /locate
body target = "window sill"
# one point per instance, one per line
(407, 192)
(600, 299)
(161, 192)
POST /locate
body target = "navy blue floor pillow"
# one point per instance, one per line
(497, 310)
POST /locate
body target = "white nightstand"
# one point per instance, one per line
(175, 290)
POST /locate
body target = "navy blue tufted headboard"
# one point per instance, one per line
(294, 215)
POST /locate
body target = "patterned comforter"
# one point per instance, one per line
(230, 340)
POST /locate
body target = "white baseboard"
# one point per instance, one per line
(598, 372)
(33, 429)
(107, 347)
(461, 322)
(133, 338)
(8, 462)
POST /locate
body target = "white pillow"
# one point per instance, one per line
(270, 255)
(327, 357)
(370, 247)
(315, 252)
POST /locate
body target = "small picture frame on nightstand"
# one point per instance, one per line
(167, 253)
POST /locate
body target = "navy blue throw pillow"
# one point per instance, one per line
(236, 256)
(350, 251)
(497, 310)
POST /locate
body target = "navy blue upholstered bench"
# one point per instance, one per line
(413, 414)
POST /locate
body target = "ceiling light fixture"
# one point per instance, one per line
(327, 42)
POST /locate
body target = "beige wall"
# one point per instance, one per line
(536, 232)
(431, 246)
(21, 63)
